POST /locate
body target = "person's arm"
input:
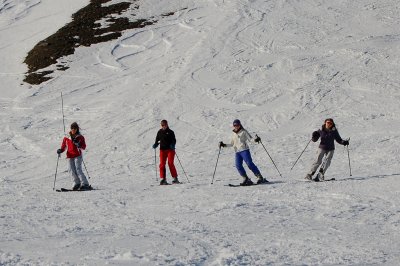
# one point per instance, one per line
(157, 140)
(63, 146)
(339, 139)
(173, 140)
(81, 141)
(315, 136)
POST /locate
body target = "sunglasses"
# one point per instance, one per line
(329, 122)
(236, 125)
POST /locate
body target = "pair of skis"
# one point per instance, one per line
(249, 185)
(71, 190)
(268, 183)
(318, 180)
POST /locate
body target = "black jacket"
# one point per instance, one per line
(328, 137)
(166, 138)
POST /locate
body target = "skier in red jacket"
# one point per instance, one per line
(74, 147)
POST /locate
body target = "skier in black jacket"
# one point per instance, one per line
(328, 134)
(166, 139)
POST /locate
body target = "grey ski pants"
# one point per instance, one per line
(75, 169)
(325, 164)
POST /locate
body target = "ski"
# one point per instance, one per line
(168, 184)
(71, 190)
(319, 180)
(254, 184)
(171, 184)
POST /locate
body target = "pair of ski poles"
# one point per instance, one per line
(348, 155)
(215, 169)
(155, 163)
(58, 157)
(219, 152)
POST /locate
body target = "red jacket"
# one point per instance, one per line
(72, 150)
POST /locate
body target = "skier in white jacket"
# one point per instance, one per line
(240, 137)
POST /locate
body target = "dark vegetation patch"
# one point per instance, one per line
(84, 30)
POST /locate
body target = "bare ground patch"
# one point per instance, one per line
(84, 30)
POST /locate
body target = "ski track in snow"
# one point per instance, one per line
(281, 67)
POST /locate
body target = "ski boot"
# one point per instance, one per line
(309, 176)
(175, 180)
(261, 179)
(163, 181)
(320, 175)
(246, 181)
(85, 187)
(76, 187)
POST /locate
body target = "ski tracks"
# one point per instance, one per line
(15, 10)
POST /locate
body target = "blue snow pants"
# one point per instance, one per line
(245, 156)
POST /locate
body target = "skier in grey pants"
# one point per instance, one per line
(328, 134)
(74, 146)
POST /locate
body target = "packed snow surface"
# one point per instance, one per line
(280, 66)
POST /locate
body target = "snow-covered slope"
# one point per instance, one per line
(281, 67)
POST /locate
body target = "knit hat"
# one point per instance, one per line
(236, 122)
(75, 126)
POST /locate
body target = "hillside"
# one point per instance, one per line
(281, 67)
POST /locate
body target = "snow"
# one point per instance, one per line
(281, 67)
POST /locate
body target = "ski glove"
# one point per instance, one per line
(59, 151)
(257, 139)
(155, 145)
(315, 136)
(345, 142)
(172, 146)
(221, 144)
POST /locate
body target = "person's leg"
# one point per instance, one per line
(79, 171)
(171, 165)
(163, 161)
(317, 162)
(72, 171)
(249, 161)
(328, 160)
(239, 164)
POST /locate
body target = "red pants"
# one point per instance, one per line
(170, 155)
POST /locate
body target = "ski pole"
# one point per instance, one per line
(348, 156)
(300, 154)
(55, 175)
(212, 181)
(83, 161)
(269, 156)
(62, 109)
(85, 167)
(58, 157)
(182, 167)
(155, 163)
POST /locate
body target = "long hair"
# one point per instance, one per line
(75, 126)
(333, 124)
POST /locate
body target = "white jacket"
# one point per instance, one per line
(239, 140)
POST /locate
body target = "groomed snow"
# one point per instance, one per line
(281, 67)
